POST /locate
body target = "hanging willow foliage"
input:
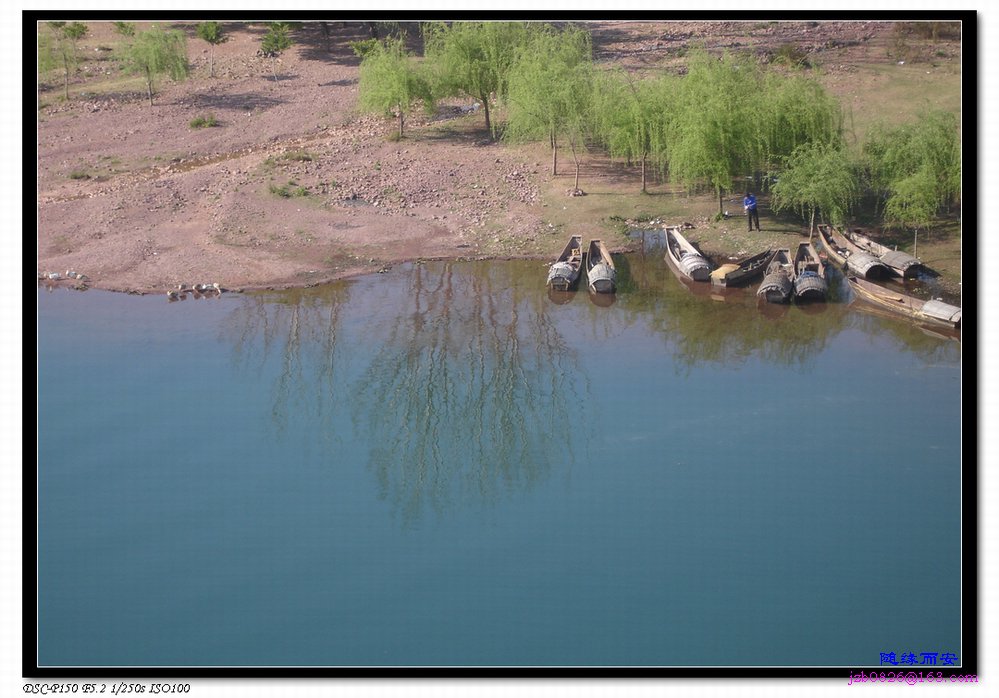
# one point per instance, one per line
(818, 177)
(391, 80)
(551, 91)
(715, 134)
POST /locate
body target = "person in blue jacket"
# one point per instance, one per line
(749, 203)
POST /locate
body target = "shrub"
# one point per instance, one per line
(792, 55)
(79, 174)
(204, 121)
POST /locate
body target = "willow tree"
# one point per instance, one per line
(212, 33)
(716, 130)
(622, 117)
(818, 177)
(57, 49)
(56, 52)
(551, 91)
(932, 143)
(390, 80)
(912, 203)
(156, 52)
(473, 58)
(796, 110)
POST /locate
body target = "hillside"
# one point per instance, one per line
(292, 187)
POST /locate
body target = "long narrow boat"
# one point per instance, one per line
(933, 312)
(686, 259)
(600, 270)
(901, 263)
(778, 282)
(743, 271)
(809, 274)
(849, 257)
(564, 271)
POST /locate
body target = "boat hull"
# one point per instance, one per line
(849, 257)
(564, 271)
(600, 272)
(684, 257)
(809, 275)
(931, 312)
(743, 272)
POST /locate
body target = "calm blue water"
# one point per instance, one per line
(441, 466)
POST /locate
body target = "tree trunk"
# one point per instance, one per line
(643, 173)
(326, 34)
(554, 154)
(401, 118)
(721, 204)
(915, 234)
(811, 225)
(211, 61)
(575, 159)
(65, 65)
(485, 105)
(149, 86)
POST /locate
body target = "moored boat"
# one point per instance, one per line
(742, 271)
(684, 258)
(901, 263)
(809, 274)
(849, 257)
(564, 271)
(600, 271)
(934, 312)
(777, 283)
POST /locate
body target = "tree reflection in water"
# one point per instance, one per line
(299, 329)
(459, 382)
(470, 392)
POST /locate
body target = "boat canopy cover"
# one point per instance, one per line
(862, 263)
(689, 263)
(899, 260)
(601, 271)
(942, 311)
(562, 270)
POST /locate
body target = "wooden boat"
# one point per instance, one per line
(743, 271)
(600, 270)
(685, 259)
(564, 271)
(809, 274)
(849, 257)
(778, 281)
(932, 312)
(901, 263)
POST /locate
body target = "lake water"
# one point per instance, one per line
(442, 466)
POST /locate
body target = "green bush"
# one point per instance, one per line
(204, 121)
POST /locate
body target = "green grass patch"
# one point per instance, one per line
(290, 190)
(79, 174)
(297, 156)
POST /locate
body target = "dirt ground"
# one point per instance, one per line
(293, 187)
